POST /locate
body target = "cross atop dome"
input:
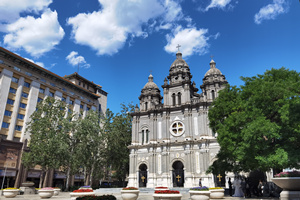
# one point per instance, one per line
(178, 46)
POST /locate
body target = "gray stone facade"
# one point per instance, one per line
(172, 144)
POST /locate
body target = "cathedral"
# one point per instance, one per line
(172, 144)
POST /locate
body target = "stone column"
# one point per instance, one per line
(13, 119)
(31, 107)
(5, 80)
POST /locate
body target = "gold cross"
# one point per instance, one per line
(178, 177)
(219, 176)
(143, 178)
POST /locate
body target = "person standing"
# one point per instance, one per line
(230, 186)
(200, 183)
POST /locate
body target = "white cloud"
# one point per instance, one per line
(218, 4)
(35, 36)
(74, 59)
(192, 41)
(107, 30)
(10, 9)
(271, 11)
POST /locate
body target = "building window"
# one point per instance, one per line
(173, 99)
(42, 90)
(52, 84)
(28, 73)
(71, 102)
(177, 128)
(213, 95)
(79, 83)
(39, 99)
(43, 80)
(64, 89)
(87, 108)
(72, 93)
(179, 98)
(23, 105)
(63, 99)
(18, 128)
(1, 62)
(12, 90)
(87, 86)
(14, 79)
(51, 94)
(20, 116)
(26, 84)
(145, 136)
(81, 106)
(5, 125)
(17, 68)
(7, 113)
(83, 85)
(10, 101)
(24, 94)
(146, 105)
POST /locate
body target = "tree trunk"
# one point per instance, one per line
(68, 180)
(45, 184)
(91, 176)
(41, 179)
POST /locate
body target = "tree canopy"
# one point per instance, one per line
(258, 123)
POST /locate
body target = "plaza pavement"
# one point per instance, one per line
(144, 195)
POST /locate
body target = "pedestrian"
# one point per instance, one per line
(200, 183)
(230, 186)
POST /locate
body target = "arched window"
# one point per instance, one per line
(213, 95)
(145, 136)
(179, 98)
(173, 99)
(146, 105)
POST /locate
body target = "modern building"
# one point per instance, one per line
(22, 85)
(172, 144)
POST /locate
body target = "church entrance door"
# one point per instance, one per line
(178, 174)
(143, 175)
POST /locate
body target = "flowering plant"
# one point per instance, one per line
(167, 192)
(56, 188)
(204, 188)
(288, 174)
(47, 188)
(11, 189)
(130, 188)
(86, 186)
(83, 190)
(161, 187)
(215, 188)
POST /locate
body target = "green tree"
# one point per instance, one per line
(48, 144)
(117, 130)
(258, 124)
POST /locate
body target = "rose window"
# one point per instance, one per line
(177, 128)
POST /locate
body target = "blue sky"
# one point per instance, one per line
(118, 42)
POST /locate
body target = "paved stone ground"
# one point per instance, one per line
(116, 192)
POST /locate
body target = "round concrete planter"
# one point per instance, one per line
(290, 186)
(167, 196)
(217, 193)
(74, 195)
(56, 191)
(45, 194)
(10, 193)
(130, 194)
(27, 184)
(199, 195)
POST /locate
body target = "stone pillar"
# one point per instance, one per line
(84, 110)
(31, 107)
(5, 80)
(76, 108)
(13, 119)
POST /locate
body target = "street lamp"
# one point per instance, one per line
(5, 173)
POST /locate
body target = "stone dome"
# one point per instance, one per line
(179, 61)
(150, 84)
(213, 70)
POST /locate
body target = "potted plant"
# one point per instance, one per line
(86, 187)
(81, 193)
(10, 192)
(216, 193)
(56, 191)
(130, 193)
(167, 194)
(161, 188)
(46, 192)
(198, 193)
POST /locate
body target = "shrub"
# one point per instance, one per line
(204, 188)
(83, 190)
(130, 188)
(167, 192)
(103, 197)
(215, 188)
(288, 174)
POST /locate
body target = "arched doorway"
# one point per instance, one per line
(178, 174)
(142, 175)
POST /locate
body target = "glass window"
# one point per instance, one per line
(43, 80)
(17, 68)
(64, 89)
(5, 125)
(52, 84)
(12, 90)
(18, 128)
(39, 99)
(24, 94)
(15, 80)
(23, 105)
(7, 113)
(71, 102)
(10, 101)
(20, 116)
(87, 108)
(72, 93)
(63, 99)
(1, 61)
(81, 106)
(26, 84)
(51, 94)
(42, 90)
(28, 73)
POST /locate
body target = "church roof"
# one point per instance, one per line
(179, 61)
(150, 84)
(213, 70)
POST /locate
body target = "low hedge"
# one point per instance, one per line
(102, 197)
